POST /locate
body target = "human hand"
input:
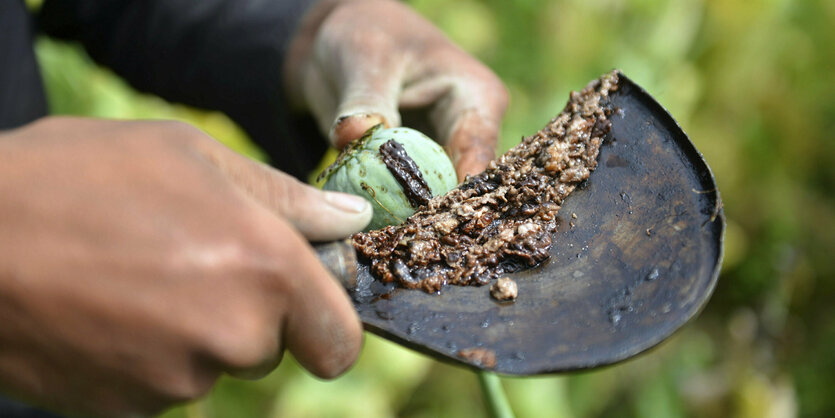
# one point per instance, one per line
(354, 63)
(139, 260)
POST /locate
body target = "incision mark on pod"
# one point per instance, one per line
(370, 190)
(406, 172)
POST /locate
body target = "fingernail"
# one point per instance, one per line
(351, 126)
(346, 202)
(360, 116)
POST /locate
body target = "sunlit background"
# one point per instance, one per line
(752, 82)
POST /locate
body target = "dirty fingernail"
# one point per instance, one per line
(349, 127)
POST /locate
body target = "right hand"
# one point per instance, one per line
(140, 260)
(354, 64)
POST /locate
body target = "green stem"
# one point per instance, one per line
(494, 397)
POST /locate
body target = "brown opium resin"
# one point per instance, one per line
(501, 219)
(406, 172)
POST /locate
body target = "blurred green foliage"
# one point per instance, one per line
(750, 81)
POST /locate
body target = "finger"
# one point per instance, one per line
(367, 69)
(307, 311)
(320, 96)
(472, 144)
(318, 215)
(351, 123)
(363, 102)
(470, 117)
(369, 96)
(467, 103)
(347, 128)
(322, 330)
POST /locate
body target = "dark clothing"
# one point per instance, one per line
(13, 409)
(224, 55)
(21, 94)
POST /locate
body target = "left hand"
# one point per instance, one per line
(354, 63)
(140, 260)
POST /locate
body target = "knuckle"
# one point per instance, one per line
(361, 99)
(247, 342)
(216, 256)
(497, 95)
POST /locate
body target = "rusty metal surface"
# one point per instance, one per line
(640, 260)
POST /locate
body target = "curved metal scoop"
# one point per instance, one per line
(639, 260)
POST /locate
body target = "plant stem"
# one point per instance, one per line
(495, 399)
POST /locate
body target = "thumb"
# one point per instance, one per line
(366, 95)
(369, 97)
(318, 215)
(367, 70)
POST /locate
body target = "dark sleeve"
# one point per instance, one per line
(224, 55)
(21, 92)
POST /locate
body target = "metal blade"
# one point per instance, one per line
(641, 259)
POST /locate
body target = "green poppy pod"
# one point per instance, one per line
(396, 169)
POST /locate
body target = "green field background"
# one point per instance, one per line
(752, 82)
